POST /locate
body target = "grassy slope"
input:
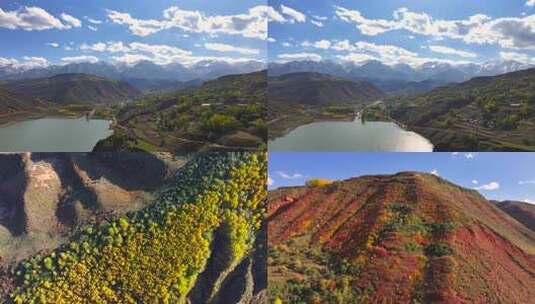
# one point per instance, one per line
(75, 89)
(485, 113)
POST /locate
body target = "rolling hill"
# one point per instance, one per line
(485, 113)
(317, 89)
(403, 238)
(522, 212)
(67, 89)
(14, 102)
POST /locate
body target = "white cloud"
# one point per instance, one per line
(252, 24)
(97, 47)
(317, 23)
(449, 51)
(529, 201)
(53, 44)
(79, 59)
(158, 53)
(475, 182)
(70, 20)
(270, 181)
(321, 18)
(220, 47)
(322, 44)
(528, 182)
(34, 62)
(489, 187)
(470, 155)
(530, 3)
(94, 21)
(32, 18)
(289, 176)
(299, 57)
(93, 28)
(435, 172)
(286, 44)
(514, 33)
(27, 63)
(295, 16)
(520, 57)
(388, 54)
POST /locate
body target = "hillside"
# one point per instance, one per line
(485, 113)
(320, 89)
(223, 114)
(67, 89)
(300, 98)
(522, 212)
(11, 102)
(403, 238)
(194, 239)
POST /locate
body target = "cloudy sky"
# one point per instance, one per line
(403, 31)
(41, 32)
(499, 176)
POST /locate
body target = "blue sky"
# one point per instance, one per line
(499, 176)
(41, 32)
(403, 31)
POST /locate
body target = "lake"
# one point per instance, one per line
(351, 136)
(54, 135)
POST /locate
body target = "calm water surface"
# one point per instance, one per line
(351, 136)
(54, 135)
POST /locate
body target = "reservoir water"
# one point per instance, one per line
(351, 136)
(54, 135)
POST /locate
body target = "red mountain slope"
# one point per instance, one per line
(404, 238)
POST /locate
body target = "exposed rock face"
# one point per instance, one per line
(45, 194)
(227, 281)
(413, 236)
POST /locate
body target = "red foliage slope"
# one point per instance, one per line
(415, 237)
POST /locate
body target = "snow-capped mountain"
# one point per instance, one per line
(373, 69)
(204, 70)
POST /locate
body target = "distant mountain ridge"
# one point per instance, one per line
(378, 73)
(310, 88)
(521, 211)
(66, 89)
(204, 70)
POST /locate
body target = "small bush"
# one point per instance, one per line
(318, 182)
(438, 250)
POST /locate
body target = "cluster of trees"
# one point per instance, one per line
(318, 182)
(155, 255)
(219, 107)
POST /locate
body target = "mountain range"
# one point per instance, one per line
(141, 70)
(395, 78)
(318, 89)
(66, 89)
(404, 238)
